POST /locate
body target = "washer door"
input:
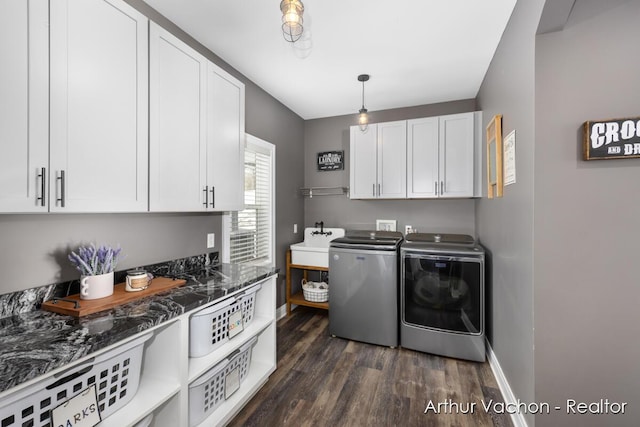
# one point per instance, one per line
(442, 292)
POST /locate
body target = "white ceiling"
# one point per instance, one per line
(416, 51)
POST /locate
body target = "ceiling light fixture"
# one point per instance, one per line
(292, 11)
(363, 118)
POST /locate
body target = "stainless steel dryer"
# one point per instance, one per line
(442, 295)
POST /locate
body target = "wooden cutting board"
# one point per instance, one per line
(119, 297)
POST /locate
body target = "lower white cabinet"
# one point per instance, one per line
(168, 371)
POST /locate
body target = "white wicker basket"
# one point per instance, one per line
(315, 291)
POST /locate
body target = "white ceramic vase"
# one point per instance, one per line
(98, 286)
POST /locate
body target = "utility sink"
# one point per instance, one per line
(314, 251)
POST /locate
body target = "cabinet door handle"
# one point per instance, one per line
(379, 192)
(442, 188)
(42, 175)
(373, 190)
(206, 196)
(213, 196)
(436, 185)
(62, 185)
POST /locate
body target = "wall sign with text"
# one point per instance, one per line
(612, 139)
(331, 160)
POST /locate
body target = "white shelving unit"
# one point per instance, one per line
(167, 370)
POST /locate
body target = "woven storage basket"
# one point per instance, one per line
(314, 294)
(115, 373)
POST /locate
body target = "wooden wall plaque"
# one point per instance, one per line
(612, 139)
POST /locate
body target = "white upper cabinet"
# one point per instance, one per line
(196, 130)
(225, 141)
(392, 158)
(24, 105)
(433, 157)
(440, 160)
(377, 161)
(422, 158)
(99, 107)
(177, 155)
(363, 162)
(456, 155)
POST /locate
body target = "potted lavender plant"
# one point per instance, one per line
(96, 265)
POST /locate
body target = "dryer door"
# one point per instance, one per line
(443, 292)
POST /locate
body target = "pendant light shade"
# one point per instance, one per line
(363, 117)
(292, 21)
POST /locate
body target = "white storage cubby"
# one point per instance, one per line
(167, 371)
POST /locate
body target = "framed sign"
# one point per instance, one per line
(494, 157)
(331, 160)
(612, 139)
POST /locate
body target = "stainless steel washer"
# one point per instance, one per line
(363, 287)
(442, 295)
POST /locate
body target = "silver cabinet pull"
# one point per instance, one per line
(373, 190)
(43, 188)
(61, 199)
(213, 196)
(442, 188)
(379, 190)
(436, 185)
(206, 196)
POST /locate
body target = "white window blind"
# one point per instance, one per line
(250, 229)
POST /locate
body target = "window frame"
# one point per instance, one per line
(256, 144)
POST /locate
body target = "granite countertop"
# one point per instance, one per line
(36, 342)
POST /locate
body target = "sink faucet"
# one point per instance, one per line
(321, 232)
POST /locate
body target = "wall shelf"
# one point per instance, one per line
(310, 192)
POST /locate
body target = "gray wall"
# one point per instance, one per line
(586, 240)
(33, 247)
(505, 225)
(454, 216)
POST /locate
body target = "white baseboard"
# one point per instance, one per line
(281, 311)
(517, 419)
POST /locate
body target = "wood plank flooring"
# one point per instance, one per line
(325, 381)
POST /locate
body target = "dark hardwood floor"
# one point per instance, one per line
(325, 381)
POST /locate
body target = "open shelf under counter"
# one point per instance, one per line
(151, 394)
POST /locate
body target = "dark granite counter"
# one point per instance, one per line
(35, 342)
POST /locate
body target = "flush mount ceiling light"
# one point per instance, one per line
(363, 118)
(292, 11)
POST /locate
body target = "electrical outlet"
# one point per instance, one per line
(407, 229)
(211, 240)
(295, 228)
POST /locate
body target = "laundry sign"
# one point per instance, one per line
(612, 139)
(331, 160)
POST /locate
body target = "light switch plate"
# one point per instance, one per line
(211, 240)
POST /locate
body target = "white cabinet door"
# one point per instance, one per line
(24, 105)
(99, 107)
(177, 154)
(225, 141)
(362, 162)
(457, 155)
(392, 160)
(422, 158)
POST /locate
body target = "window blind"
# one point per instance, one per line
(250, 234)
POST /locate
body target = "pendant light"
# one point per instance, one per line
(292, 11)
(363, 118)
